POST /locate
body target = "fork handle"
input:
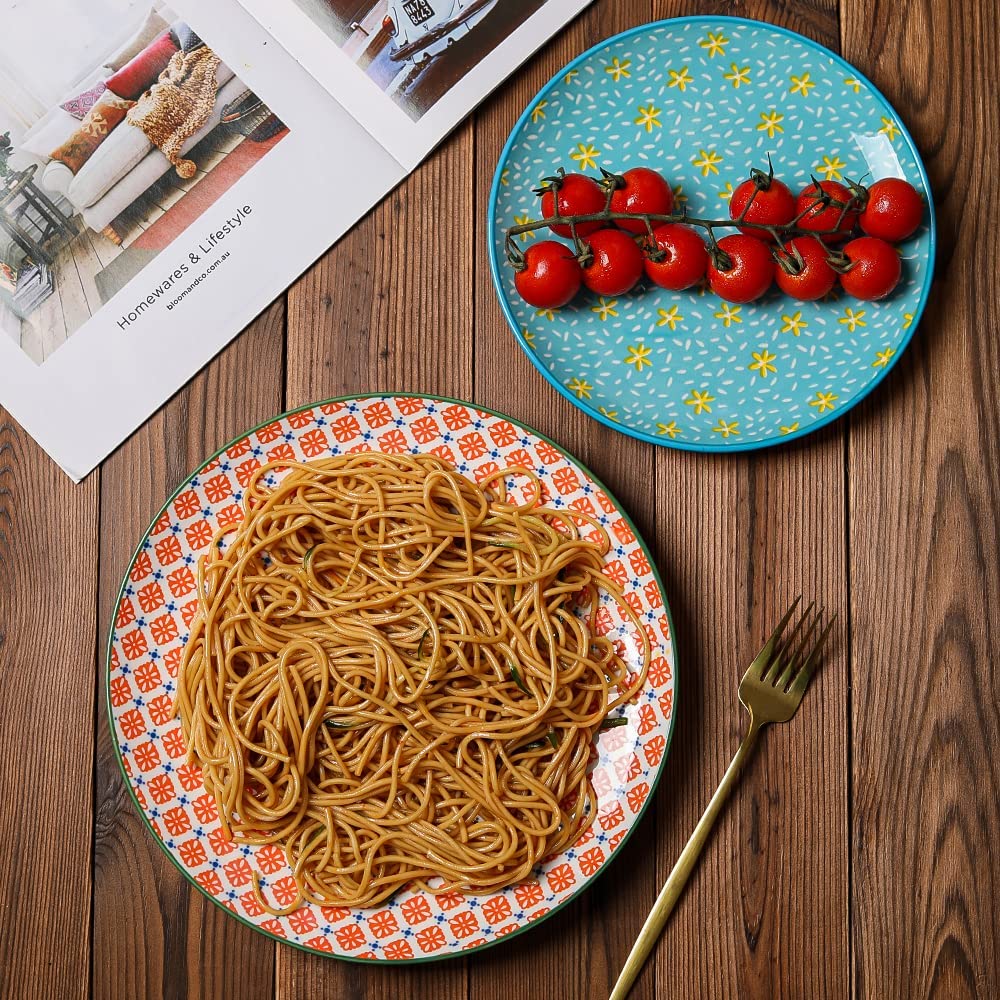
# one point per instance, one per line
(678, 878)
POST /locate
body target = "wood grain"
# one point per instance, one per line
(154, 935)
(48, 593)
(925, 509)
(766, 915)
(388, 309)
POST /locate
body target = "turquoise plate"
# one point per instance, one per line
(703, 99)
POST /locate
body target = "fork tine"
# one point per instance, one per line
(786, 645)
(796, 657)
(803, 675)
(781, 658)
(763, 659)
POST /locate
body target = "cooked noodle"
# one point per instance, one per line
(394, 676)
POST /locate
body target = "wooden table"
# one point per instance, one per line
(860, 856)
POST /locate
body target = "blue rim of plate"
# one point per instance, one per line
(426, 959)
(652, 438)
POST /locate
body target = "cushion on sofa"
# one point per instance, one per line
(140, 73)
(100, 122)
(79, 105)
(148, 31)
(185, 36)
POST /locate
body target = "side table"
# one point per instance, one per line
(18, 193)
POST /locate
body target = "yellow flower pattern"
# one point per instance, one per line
(649, 117)
(707, 161)
(824, 401)
(538, 111)
(729, 314)
(801, 85)
(638, 355)
(831, 168)
(737, 75)
(679, 78)
(521, 220)
(670, 317)
(771, 123)
(619, 69)
(586, 155)
(763, 362)
(714, 44)
(793, 324)
(853, 318)
(889, 128)
(605, 309)
(701, 401)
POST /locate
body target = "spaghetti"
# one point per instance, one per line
(393, 675)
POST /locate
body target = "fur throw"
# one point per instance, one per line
(178, 105)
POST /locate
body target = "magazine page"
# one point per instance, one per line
(165, 172)
(411, 70)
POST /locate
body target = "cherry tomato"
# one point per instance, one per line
(551, 275)
(893, 211)
(875, 270)
(750, 273)
(685, 261)
(773, 204)
(617, 264)
(825, 217)
(645, 193)
(578, 195)
(811, 276)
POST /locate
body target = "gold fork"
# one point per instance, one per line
(771, 691)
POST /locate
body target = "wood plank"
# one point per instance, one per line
(103, 248)
(48, 592)
(767, 912)
(924, 537)
(153, 934)
(576, 953)
(72, 295)
(385, 310)
(88, 264)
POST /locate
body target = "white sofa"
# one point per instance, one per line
(122, 168)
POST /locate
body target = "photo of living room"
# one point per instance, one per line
(119, 127)
(417, 50)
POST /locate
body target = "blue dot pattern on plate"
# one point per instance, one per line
(704, 99)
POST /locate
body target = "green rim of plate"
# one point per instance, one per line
(350, 958)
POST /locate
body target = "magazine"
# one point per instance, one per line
(168, 168)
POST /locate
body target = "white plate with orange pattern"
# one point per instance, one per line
(155, 608)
